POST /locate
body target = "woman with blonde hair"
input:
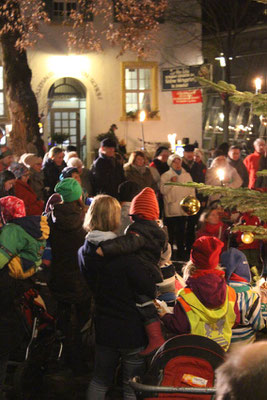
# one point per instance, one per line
(114, 282)
(137, 171)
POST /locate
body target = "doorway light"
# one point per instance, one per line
(70, 65)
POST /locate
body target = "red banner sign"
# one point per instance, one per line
(187, 96)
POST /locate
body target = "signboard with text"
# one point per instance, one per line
(187, 96)
(183, 77)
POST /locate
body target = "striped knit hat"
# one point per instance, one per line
(145, 205)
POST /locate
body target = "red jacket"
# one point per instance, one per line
(252, 164)
(26, 193)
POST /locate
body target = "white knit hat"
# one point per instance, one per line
(171, 158)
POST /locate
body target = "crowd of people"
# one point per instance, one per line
(108, 238)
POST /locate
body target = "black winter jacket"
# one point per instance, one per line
(114, 283)
(66, 237)
(144, 238)
(51, 175)
(107, 175)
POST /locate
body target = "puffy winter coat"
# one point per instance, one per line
(66, 237)
(172, 195)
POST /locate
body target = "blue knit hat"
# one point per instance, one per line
(236, 262)
(69, 189)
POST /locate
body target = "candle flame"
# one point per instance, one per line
(220, 174)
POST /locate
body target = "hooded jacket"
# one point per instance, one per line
(114, 282)
(238, 276)
(210, 291)
(22, 242)
(66, 237)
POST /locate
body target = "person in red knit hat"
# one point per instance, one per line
(147, 240)
(207, 305)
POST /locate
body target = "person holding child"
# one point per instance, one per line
(114, 282)
(148, 240)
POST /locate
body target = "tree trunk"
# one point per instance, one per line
(22, 103)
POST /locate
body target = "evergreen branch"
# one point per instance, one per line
(241, 199)
(257, 100)
(262, 172)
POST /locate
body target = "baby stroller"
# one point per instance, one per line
(183, 368)
(42, 348)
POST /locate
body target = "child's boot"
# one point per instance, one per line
(155, 338)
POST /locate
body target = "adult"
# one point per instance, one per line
(114, 282)
(235, 161)
(175, 217)
(261, 183)
(52, 168)
(127, 191)
(107, 172)
(6, 157)
(66, 283)
(206, 306)
(85, 174)
(188, 158)
(136, 171)
(24, 191)
(243, 375)
(34, 163)
(7, 182)
(231, 177)
(199, 168)
(252, 161)
(159, 163)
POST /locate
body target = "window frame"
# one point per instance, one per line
(65, 18)
(154, 85)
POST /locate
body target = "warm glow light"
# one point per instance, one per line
(142, 116)
(70, 65)
(220, 174)
(172, 140)
(258, 84)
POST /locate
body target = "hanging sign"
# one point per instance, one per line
(187, 96)
(183, 77)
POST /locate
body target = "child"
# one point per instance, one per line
(172, 282)
(237, 274)
(22, 239)
(147, 240)
(212, 225)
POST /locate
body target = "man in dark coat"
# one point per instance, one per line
(107, 172)
(235, 161)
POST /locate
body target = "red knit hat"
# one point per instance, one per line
(145, 205)
(206, 252)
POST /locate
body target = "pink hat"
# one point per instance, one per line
(12, 207)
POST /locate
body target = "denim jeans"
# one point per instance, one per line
(106, 361)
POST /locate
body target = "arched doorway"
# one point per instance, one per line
(67, 117)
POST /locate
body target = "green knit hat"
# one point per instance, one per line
(69, 189)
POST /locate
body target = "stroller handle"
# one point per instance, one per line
(141, 388)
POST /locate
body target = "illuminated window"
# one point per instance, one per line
(139, 88)
(62, 9)
(2, 97)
